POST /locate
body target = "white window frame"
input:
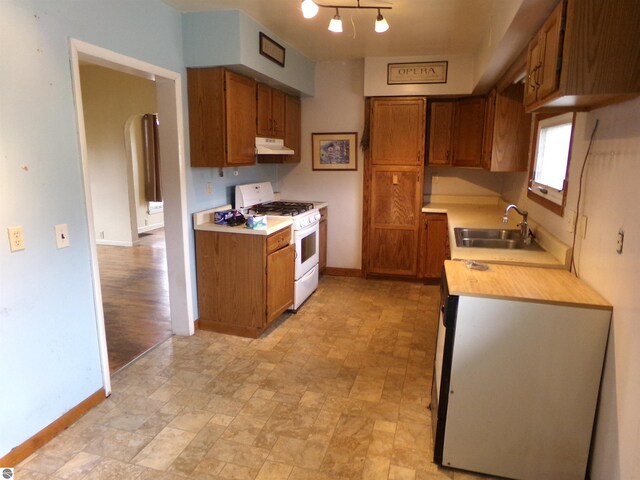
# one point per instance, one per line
(552, 198)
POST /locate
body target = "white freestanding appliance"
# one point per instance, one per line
(517, 371)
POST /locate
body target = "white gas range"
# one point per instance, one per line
(259, 199)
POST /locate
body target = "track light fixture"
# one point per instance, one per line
(381, 24)
(310, 9)
(335, 25)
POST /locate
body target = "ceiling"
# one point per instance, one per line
(417, 27)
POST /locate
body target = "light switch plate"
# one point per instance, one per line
(62, 235)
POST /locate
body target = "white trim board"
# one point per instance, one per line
(177, 221)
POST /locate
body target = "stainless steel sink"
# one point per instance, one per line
(492, 238)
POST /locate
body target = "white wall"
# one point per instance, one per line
(109, 99)
(609, 201)
(338, 106)
(461, 181)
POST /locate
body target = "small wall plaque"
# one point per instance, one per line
(413, 73)
(272, 50)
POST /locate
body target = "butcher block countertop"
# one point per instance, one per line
(487, 212)
(529, 284)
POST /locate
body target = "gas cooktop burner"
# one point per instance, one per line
(281, 208)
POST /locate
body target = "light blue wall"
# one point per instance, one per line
(49, 357)
(231, 38)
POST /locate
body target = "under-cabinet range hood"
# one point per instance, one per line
(272, 146)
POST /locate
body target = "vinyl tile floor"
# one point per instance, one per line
(339, 390)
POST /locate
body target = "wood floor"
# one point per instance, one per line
(135, 298)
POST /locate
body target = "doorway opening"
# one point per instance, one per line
(124, 173)
(168, 92)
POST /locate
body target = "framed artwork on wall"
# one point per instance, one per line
(272, 50)
(335, 151)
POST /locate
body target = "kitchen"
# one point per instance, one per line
(610, 186)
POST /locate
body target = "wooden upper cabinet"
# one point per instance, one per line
(398, 131)
(543, 67)
(292, 130)
(222, 112)
(585, 55)
(489, 120)
(270, 121)
(440, 131)
(456, 129)
(507, 130)
(468, 130)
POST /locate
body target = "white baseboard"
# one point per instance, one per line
(113, 243)
(148, 228)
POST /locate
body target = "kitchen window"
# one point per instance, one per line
(548, 181)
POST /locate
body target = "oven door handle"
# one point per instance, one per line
(303, 232)
(308, 274)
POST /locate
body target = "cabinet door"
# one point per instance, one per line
(280, 278)
(533, 65)
(398, 131)
(489, 119)
(548, 76)
(394, 223)
(277, 113)
(263, 104)
(468, 129)
(207, 137)
(434, 244)
(292, 128)
(440, 127)
(511, 130)
(240, 119)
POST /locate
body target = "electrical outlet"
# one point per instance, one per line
(62, 235)
(16, 239)
(209, 188)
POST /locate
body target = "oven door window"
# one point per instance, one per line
(308, 246)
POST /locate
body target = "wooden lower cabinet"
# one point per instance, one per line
(245, 281)
(394, 220)
(322, 260)
(434, 245)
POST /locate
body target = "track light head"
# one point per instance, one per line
(309, 9)
(335, 25)
(381, 23)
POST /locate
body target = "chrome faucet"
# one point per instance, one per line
(524, 226)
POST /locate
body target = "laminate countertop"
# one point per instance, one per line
(204, 221)
(554, 254)
(531, 284)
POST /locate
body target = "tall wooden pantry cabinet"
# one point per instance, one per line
(393, 186)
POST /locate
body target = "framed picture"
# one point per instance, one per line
(415, 73)
(335, 151)
(272, 50)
